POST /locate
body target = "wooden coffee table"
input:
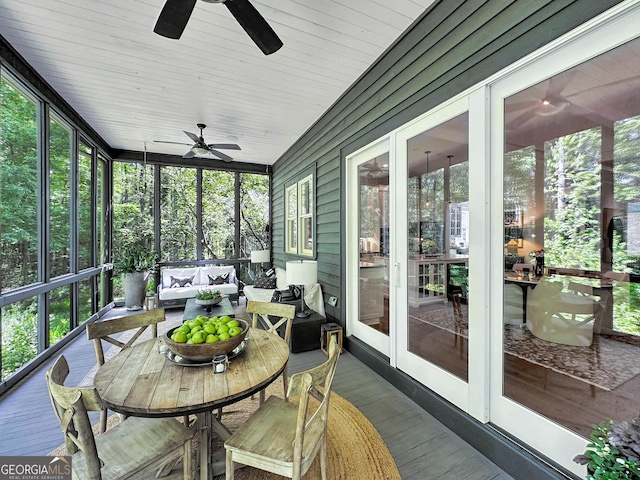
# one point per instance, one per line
(192, 309)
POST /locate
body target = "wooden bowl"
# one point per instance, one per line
(203, 352)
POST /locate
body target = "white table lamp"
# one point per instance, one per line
(260, 256)
(302, 272)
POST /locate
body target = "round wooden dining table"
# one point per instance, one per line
(141, 381)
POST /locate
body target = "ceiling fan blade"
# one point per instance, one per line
(174, 143)
(255, 25)
(189, 154)
(174, 17)
(224, 146)
(221, 155)
(558, 83)
(520, 120)
(192, 136)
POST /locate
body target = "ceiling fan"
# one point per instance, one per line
(201, 147)
(545, 103)
(176, 13)
(373, 169)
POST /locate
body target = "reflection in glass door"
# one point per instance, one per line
(373, 208)
(438, 245)
(369, 249)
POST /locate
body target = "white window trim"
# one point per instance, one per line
(294, 236)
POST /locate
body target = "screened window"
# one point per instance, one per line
(85, 224)
(178, 214)
(18, 186)
(59, 197)
(254, 212)
(218, 214)
(291, 234)
(300, 213)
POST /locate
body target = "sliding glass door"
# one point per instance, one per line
(433, 336)
(569, 172)
(370, 246)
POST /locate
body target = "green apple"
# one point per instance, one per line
(198, 337)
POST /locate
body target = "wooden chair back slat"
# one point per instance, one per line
(285, 314)
(283, 438)
(103, 330)
(92, 455)
(263, 310)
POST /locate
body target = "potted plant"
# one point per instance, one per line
(136, 263)
(613, 452)
(207, 294)
(207, 298)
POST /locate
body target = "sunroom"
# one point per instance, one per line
(471, 202)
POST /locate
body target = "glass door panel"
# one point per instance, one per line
(438, 243)
(571, 176)
(566, 185)
(373, 208)
(369, 241)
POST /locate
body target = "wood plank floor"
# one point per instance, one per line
(422, 447)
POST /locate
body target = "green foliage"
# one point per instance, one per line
(132, 204)
(603, 458)
(207, 294)
(19, 187)
(19, 337)
(136, 257)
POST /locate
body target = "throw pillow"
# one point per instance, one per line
(181, 282)
(265, 281)
(218, 279)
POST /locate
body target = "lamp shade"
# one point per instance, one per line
(302, 272)
(260, 256)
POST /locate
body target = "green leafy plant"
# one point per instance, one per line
(205, 294)
(613, 452)
(135, 258)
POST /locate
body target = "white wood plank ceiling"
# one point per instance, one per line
(135, 87)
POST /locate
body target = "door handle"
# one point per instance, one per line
(397, 273)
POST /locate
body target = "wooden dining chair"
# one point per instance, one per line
(138, 448)
(106, 330)
(283, 437)
(281, 326)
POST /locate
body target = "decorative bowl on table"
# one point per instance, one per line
(209, 301)
(208, 297)
(204, 352)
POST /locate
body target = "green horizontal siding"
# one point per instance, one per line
(453, 46)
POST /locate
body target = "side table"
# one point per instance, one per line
(305, 332)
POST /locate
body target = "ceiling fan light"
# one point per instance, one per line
(200, 150)
(547, 108)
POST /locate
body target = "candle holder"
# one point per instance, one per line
(220, 363)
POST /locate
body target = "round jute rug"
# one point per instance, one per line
(355, 449)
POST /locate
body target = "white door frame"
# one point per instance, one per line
(370, 336)
(609, 30)
(445, 384)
